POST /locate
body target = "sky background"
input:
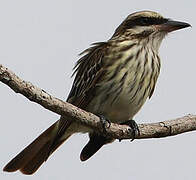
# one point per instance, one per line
(40, 41)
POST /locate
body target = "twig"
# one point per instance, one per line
(151, 130)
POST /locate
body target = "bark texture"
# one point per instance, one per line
(148, 130)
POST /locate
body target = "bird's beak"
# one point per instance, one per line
(171, 25)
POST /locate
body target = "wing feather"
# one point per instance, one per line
(88, 70)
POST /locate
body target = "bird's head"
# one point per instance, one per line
(147, 26)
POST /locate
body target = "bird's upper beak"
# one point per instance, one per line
(171, 25)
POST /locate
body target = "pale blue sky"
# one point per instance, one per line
(40, 41)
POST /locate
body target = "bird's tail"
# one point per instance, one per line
(32, 157)
(95, 143)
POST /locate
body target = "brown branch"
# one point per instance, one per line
(151, 130)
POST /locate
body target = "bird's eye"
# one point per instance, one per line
(144, 21)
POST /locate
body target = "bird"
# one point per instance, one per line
(113, 79)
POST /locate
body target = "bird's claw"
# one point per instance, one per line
(133, 128)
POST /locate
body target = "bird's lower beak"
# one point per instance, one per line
(170, 26)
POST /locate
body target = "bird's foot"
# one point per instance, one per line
(134, 127)
(105, 122)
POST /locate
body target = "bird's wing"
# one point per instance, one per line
(89, 70)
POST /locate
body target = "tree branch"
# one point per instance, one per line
(151, 130)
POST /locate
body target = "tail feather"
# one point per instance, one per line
(31, 166)
(94, 144)
(32, 157)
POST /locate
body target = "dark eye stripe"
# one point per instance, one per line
(144, 21)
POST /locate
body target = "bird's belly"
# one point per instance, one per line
(122, 93)
(119, 109)
(124, 108)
